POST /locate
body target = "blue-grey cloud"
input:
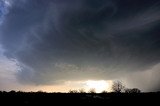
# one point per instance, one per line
(3, 9)
(80, 39)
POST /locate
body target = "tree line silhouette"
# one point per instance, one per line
(120, 94)
(117, 87)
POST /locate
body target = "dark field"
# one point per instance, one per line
(21, 98)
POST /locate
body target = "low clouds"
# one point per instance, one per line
(58, 40)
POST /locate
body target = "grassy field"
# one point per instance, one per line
(21, 98)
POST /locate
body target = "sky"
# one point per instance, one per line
(57, 45)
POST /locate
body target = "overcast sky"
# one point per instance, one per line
(50, 42)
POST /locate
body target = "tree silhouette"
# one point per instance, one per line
(117, 87)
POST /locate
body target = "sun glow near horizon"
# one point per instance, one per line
(86, 85)
(98, 85)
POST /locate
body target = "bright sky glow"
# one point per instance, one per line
(98, 85)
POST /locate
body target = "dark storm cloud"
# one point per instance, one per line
(79, 39)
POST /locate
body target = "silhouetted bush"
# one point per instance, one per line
(40, 91)
(104, 91)
(12, 91)
(82, 91)
(73, 91)
(133, 90)
(92, 90)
